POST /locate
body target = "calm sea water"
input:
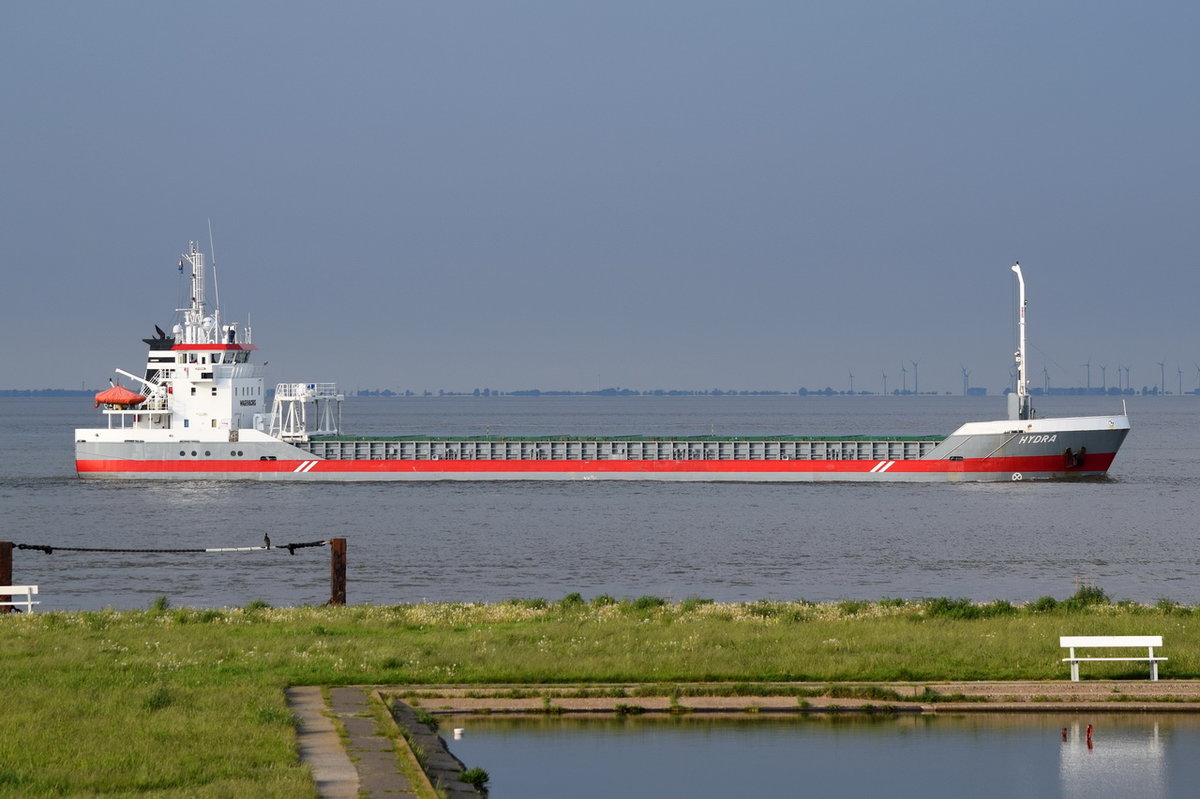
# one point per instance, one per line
(986, 755)
(1133, 534)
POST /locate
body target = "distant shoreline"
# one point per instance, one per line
(659, 392)
(47, 392)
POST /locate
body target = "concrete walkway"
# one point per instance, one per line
(1114, 696)
(320, 746)
(374, 755)
(367, 765)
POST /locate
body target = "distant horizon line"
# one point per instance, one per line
(972, 391)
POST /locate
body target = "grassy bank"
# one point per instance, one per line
(188, 702)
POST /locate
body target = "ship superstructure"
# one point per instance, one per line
(200, 414)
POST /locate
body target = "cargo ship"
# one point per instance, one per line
(199, 412)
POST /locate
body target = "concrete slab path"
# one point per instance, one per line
(373, 754)
(320, 746)
(364, 764)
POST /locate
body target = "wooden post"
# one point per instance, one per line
(6, 549)
(337, 571)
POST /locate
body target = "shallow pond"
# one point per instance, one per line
(977, 755)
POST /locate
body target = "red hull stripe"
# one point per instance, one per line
(1098, 462)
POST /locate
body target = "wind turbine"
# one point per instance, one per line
(904, 375)
(851, 381)
(966, 380)
(1103, 378)
(916, 379)
(1162, 382)
(885, 379)
(1088, 366)
(1177, 366)
(1046, 377)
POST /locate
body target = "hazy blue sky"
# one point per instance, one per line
(574, 195)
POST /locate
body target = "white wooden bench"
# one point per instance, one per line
(1073, 642)
(12, 592)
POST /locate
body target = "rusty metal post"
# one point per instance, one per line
(6, 549)
(337, 571)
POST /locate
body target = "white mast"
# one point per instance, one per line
(1019, 405)
(198, 328)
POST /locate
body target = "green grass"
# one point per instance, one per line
(181, 702)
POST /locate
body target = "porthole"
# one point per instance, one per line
(233, 452)
(207, 453)
(239, 452)
(182, 453)
(193, 453)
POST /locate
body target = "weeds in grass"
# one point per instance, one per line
(691, 603)
(674, 706)
(1169, 607)
(1043, 604)
(476, 777)
(614, 692)
(931, 696)
(861, 692)
(945, 607)
(275, 715)
(572, 600)
(852, 607)
(999, 607)
(647, 603)
(1086, 596)
(718, 689)
(532, 603)
(427, 718)
(158, 699)
(417, 750)
(765, 609)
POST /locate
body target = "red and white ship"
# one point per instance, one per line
(201, 415)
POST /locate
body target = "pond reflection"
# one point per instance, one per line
(977, 754)
(1122, 761)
